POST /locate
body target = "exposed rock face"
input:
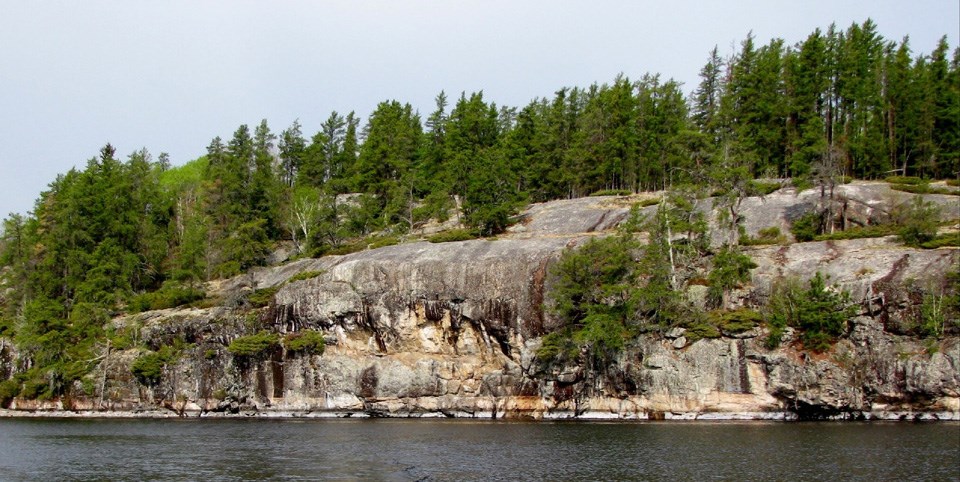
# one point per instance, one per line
(452, 329)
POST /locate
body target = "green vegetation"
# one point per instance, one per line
(8, 390)
(170, 295)
(918, 222)
(762, 188)
(612, 192)
(905, 180)
(731, 268)
(148, 367)
(310, 342)
(806, 227)
(453, 235)
(305, 275)
(127, 234)
(593, 295)
(254, 346)
(924, 189)
(735, 321)
(942, 241)
(859, 232)
(262, 297)
(771, 235)
(819, 311)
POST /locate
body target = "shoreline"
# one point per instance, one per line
(784, 416)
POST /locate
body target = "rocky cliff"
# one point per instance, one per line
(452, 329)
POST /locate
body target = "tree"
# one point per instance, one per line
(292, 151)
(731, 268)
(592, 294)
(706, 98)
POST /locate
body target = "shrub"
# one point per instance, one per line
(148, 368)
(819, 311)
(9, 389)
(171, 295)
(612, 192)
(730, 269)
(762, 188)
(252, 346)
(932, 315)
(592, 294)
(942, 241)
(735, 321)
(309, 341)
(908, 180)
(558, 346)
(859, 232)
(304, 275)
(453, 235)
(769, 235)
(802, 183)
(701, 329)
(924, 189)
(806, 227)
(918, 223)
(34, 388)
(261, 297)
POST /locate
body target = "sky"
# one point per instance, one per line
(170, 76)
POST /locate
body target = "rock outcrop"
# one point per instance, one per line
(452, 329)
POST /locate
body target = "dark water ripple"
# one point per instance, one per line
(402, 450)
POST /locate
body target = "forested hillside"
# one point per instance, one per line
(125, 235)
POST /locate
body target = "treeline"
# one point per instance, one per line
(138, 233)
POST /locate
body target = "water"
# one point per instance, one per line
(87, 449)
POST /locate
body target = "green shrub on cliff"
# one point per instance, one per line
(251, 346)
(593, 292)
(310, 342)
(170, 295)
(8, 390)
(806, 227)
(819, 311)
(918, 222)
(148, 368)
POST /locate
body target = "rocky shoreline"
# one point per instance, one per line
(452, 330)
(783, 416)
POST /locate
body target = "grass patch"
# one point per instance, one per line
(304, 275)
(942, 241)
(875, 231)
(953, 182)
(453, 235)
(612, 192)
(649, 202)
(909, 180)
(371, 242)
(771, 235)
(924, 189)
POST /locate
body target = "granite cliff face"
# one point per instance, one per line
(452, 329)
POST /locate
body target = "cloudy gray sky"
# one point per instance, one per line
(171, 75)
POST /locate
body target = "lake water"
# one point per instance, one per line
(390, 449)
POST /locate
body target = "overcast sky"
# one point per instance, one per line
(171, 75)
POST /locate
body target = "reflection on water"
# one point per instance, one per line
(473, 450)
